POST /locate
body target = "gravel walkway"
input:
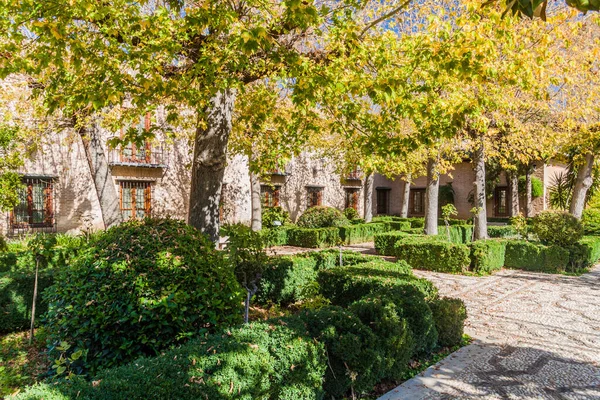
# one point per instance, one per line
(537, 337)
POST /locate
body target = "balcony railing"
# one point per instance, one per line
(279, 171)
(355, 175)
(148, 157)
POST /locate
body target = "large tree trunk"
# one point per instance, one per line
(101, 175)
(256, 205)
(432, 198)
(208, 166)
(582, 184)
(528, 193)
(513, 182)
(368, 203)
(480, 222)
(405, 197)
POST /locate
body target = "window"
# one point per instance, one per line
(133, 153)
(383, 201)
(315, 196)
(351, 198)
(269, 195)
(36, 206)
(416, 204)
(501, 202)
(136, 199)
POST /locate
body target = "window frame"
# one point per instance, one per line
(147, 201)
(384, 199)
(142, 154)
(351, 198)
(270, 195)
(411, 202)
(497, 199)
(314, 196)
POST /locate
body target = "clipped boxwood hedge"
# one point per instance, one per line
(459, 234)
(361, 233)
(261, 360)
(433, 254)
(314, 238)
(585, 253)
(449, 315)
(530, 256)
(384, 242)
(487, 255)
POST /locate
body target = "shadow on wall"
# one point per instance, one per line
(504, 371)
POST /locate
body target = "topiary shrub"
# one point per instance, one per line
(591, 221)
(272, 214)
(394, 337)
(261, 360)
(584, 253)
(285, 278)
(557, 227)
(351, 213)
(384, 242)
(322, 217)
(352, 358)
(487, 255)
(529, 256)
(504, 231)
(362, 233)
(433, 254)
(314, 238)
(139, 288)
(449, 315)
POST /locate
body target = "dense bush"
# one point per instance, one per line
(530, 256)
(591, 221)
(277, 236)
(285, 279)
(449, 316)
(487, 255)
(433, 254)
(362, 233)
(271, 214)
(384, 242)
(322, 217)
(395, 342)
(138, 288)
(314, 238)
(399, 225)
(501, 231)
(459, 234)
(16, 297)
(557, 227)
(351, 354)
(255, 361)
(351, 213)
(584, 253)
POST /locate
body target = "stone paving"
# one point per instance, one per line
(537, 337)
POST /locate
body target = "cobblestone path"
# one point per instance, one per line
(537, 337)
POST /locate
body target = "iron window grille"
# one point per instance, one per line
(35, 211)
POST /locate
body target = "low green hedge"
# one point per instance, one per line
(255, 361)
(384, 242)
(530, 256)
(487, 255)
(277, 236)
(415, 222)
(399, 225)
(591, 221)
(449, 316)
(314, 238)
(361, 233)
(459, 234)
(584, 253)
(433, 254)
(16, 297)
(504, 231)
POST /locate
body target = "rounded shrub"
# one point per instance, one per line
(322, 217)
(351, 213)
(352, 358)
(591, 221)
(139, 288)
(272, 214)
(557, 227)
(394, 338)
(449, 315)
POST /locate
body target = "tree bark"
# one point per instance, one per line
(513, 182)
(208, 165)
(368, 206)
(480, 220)
(405, 197)
(432, 198)
(256, 205)
(528, 193)
(582, 184)
(101, 175)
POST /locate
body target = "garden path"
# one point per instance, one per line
(537, 336)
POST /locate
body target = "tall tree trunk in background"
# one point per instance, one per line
(432, 198)
(528, 193)
(582, 184)
(368, 206)
(208, 166)
(101, 176)
(255, 202)
(480, 222)
(405, 197)
(513, 183)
